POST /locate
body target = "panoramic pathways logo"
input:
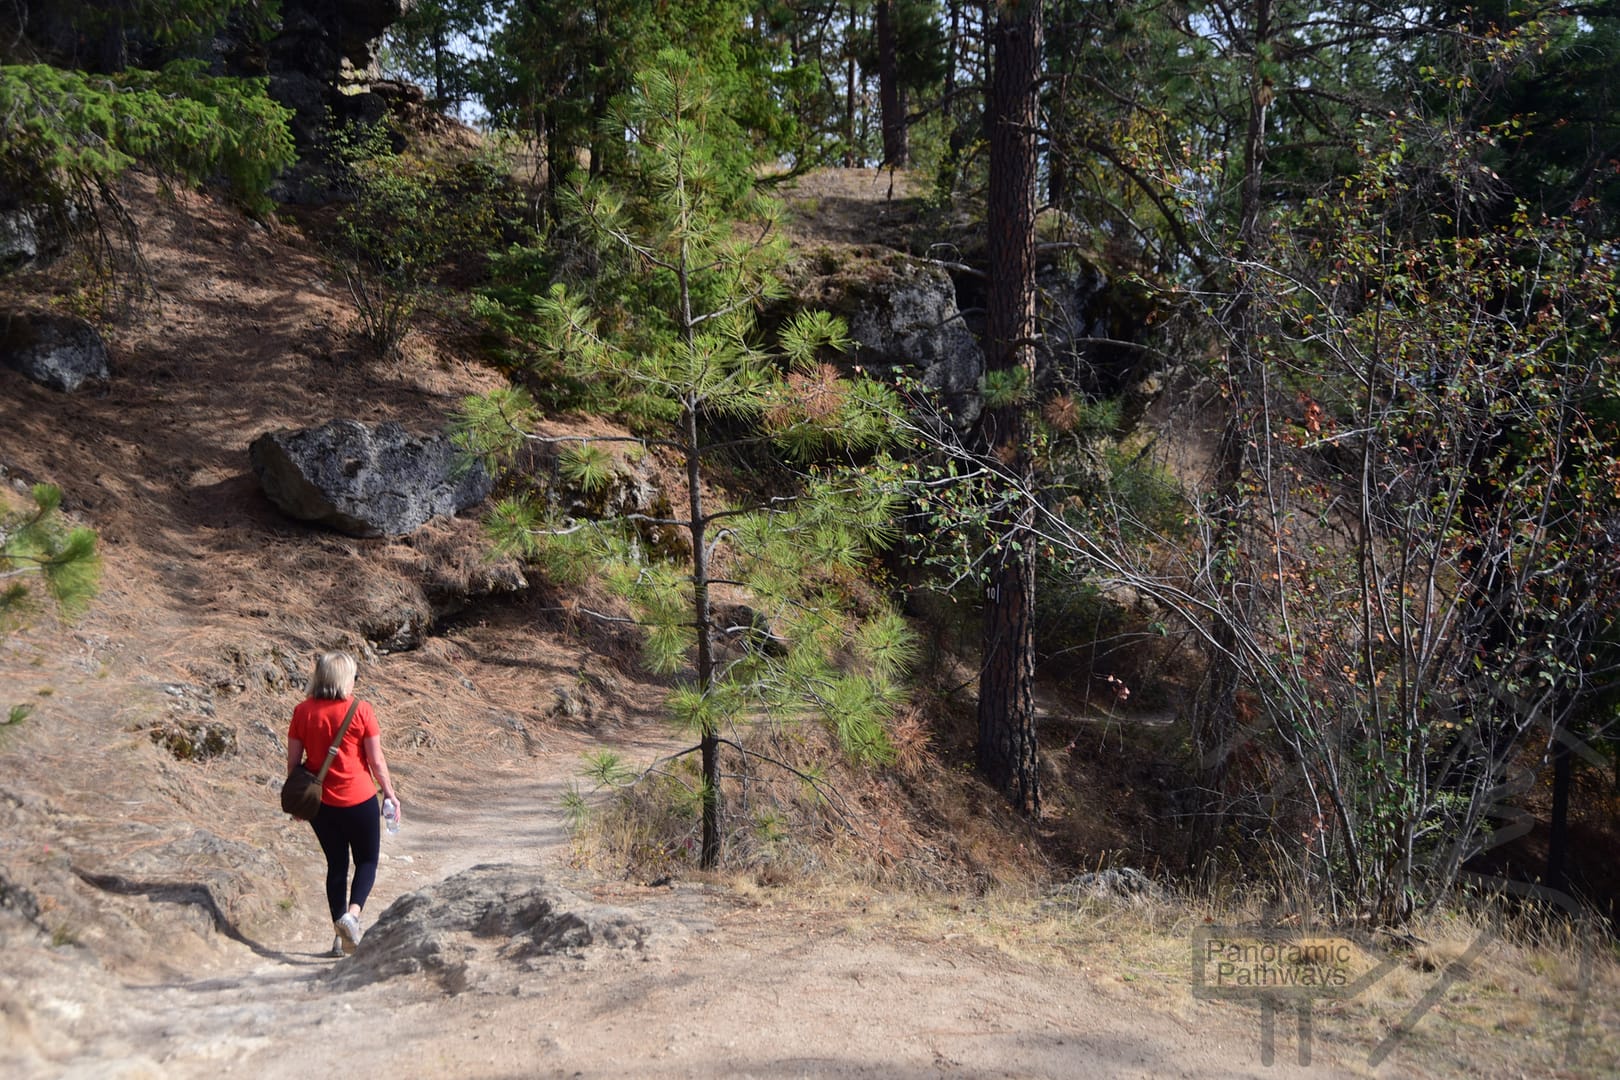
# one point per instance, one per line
(1281, 969)
(1276, 964)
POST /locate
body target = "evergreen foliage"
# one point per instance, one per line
(37, 548)
(439, 44)
(668, 324)
(67, 133)
(1380, 238)
(81, 131)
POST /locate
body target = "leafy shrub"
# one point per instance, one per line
(409, 214)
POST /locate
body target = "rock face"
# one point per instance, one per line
(324, 62)
(30, 235)
(906, 317)
(1069, 320)
(57, 350)
(1086, 323)
(748, 630)
(510, 911)
(365, 481)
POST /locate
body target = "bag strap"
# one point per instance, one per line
(337, 740)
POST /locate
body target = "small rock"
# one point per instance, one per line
(1116, 883)
(57, 351)
(194, 740)
(400, 628)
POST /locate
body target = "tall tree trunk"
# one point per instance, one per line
(1007, 742)
(891, 99)
(709, 745)
(601, 95)
(544, 169)
(440, 48)
(849, 89)
(702, 618)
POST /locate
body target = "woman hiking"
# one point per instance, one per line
(347, 822)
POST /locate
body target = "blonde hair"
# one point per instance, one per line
(333, 676)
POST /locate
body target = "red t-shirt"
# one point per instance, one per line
(315, 721)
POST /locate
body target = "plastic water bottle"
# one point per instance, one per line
(391, 815)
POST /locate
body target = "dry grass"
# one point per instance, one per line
(1507, 1011)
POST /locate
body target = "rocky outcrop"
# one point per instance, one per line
(629, 491)
(323, 64)
(747, 629)
(450, 590)
(911, 316)
(1070, 324)
(398, 628)
(904, 316)
(365, 481)
(444, 569)
(31, 235)
(509, 912)
(1087, 326)
(58, 351)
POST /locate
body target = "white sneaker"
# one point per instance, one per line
(337, 946)
(348, 929)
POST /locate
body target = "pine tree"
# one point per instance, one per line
(1006, 679)
(667, 327)
(438, 43)
(37, 548)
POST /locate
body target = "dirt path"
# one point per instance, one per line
(729, 985)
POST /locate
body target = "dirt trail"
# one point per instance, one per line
(729, 986)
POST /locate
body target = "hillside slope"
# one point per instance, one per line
(160, 918)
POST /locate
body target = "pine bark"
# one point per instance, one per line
(891, 95)
(1007, 737)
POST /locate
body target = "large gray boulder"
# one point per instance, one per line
(365, 481)
(59, 351)
(905, 316)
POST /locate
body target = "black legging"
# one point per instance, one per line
(340, 829)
